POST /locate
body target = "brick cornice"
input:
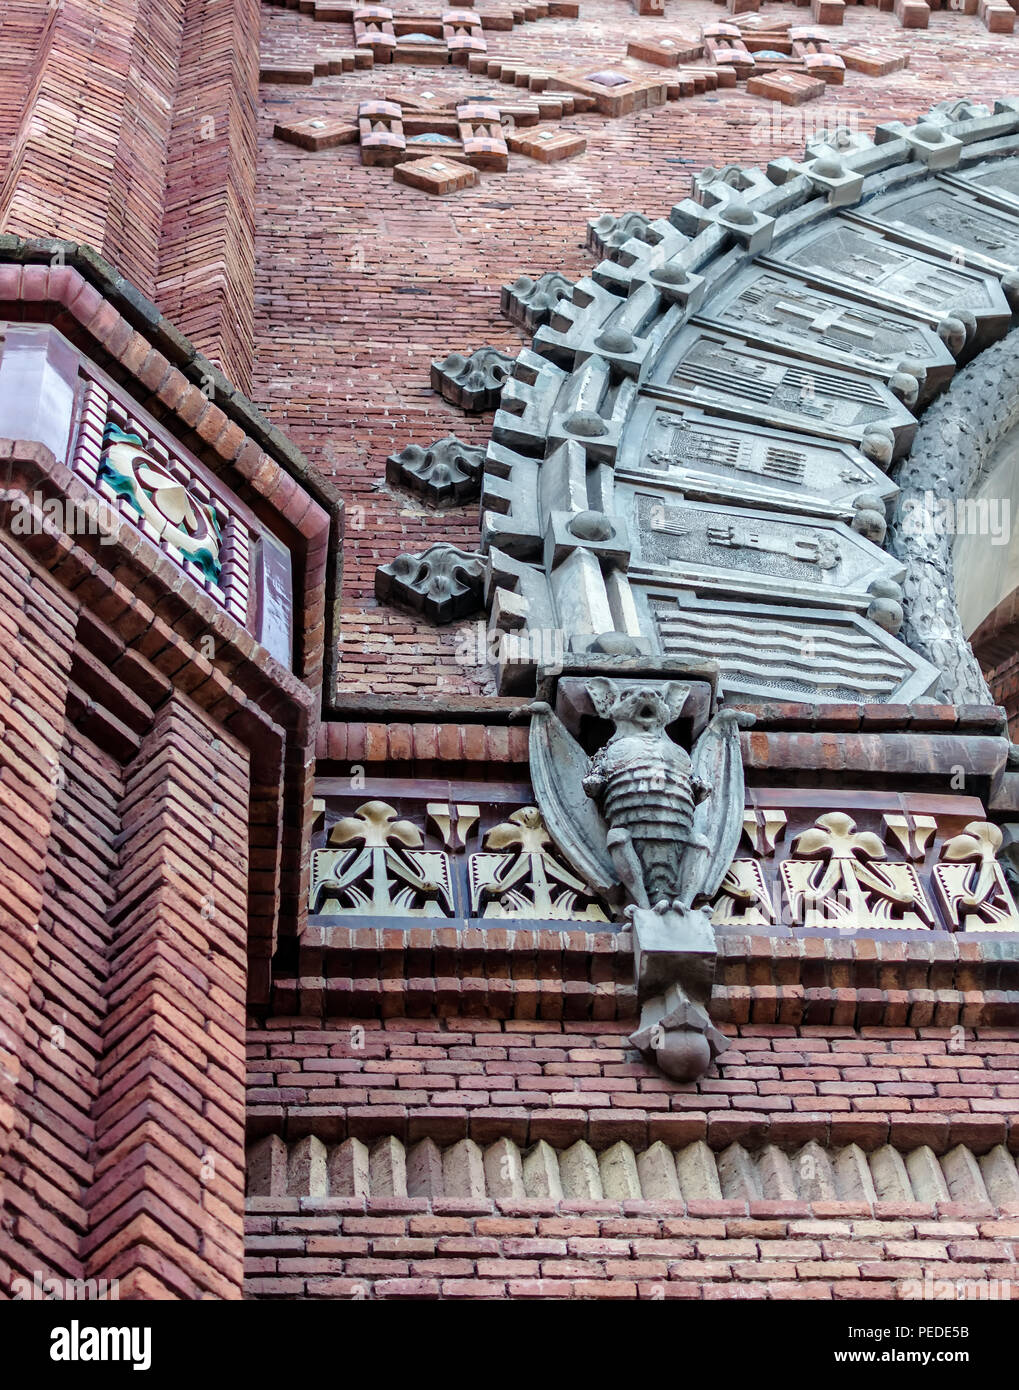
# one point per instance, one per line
(874, 979)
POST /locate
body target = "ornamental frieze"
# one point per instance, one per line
(864, 868)
(804, 861)
(449, 860)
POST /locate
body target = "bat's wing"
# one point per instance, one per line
(719, 817)
(558, 767)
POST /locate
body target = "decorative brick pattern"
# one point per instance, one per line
(454, 743)
(162, 87)
(206, 273)
(397, 1079)
(536, 1249)
(167, 1218)
(505, 1170)
(116, 209)
(318, 134)
(38, 629)
(461, 1077)
(912, 14)
(51, 1166)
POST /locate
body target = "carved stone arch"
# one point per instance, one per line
(699, 457)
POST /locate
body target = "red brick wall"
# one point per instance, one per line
(562, 1081)
(205, 282)
(1004, 683)
(768, 1208)
(129, 125)
(165, 1213)
(404, 1248)
(123, 897)
(51, 1164)
(23, 25)
(37, 627)
(88, 158)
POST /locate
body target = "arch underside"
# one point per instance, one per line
(724, 443)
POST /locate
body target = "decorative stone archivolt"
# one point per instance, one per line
(727, 391)
(955, 445)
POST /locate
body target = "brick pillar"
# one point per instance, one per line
(166, 1210)
(37, 630)
(103, 88)
(206, 280)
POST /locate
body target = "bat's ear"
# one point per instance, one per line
(674, 695)
(604, 694)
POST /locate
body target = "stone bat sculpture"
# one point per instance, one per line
(646, 817)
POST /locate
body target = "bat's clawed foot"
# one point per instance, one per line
(664, 905)
(526, 711)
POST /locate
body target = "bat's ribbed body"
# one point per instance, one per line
(648, 791)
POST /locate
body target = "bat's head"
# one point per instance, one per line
(647, 708)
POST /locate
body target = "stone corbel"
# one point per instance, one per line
(652, 826)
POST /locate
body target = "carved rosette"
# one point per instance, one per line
(169, 506)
